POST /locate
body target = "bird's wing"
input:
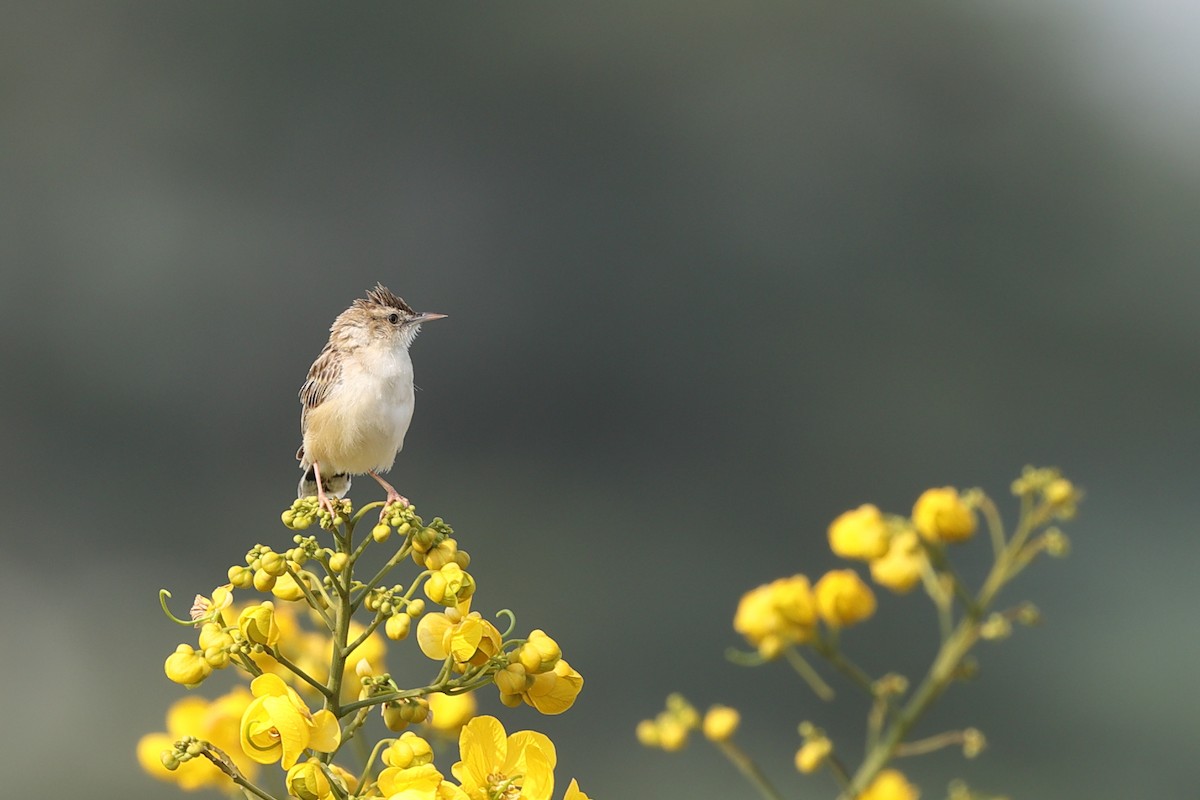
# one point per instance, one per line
(323, 375)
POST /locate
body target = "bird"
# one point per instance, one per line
(357, 402)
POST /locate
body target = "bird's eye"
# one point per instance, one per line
(393, 318)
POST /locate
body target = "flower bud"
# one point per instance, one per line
(397, 627)
(241, 577)
(258, 624)
(415, 608)
(812, 754)
(273, 563)
(338, 561)
(540, 653)
(843, 599)
(890, 784)
(512, 680)
(307, 781)
(941, 515)
(187, 666)
(861, 534)
(647, 733)
(720, 723)
(381, 532)
(263, 580)
(900, 568)
(393, 717)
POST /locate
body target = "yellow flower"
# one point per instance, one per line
(540, 653)
(187, 666)
(286, 588)
(206, 609)
(900, 569)
(494, 764)
(409, 750)
(573, 792)
(215, 722)
(940, 515)
(468, 637)
(812, 754)
(843, 599)
(417, 783)
(861, 534)
(555, 691)
(258, 624)
(449, 712)
(450, 585)
(890, 784)
(277, 726)
(777, 614)
(720, 723)
(308, 782)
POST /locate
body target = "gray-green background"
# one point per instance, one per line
(715, 272)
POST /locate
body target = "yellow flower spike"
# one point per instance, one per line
(308, 782)
(497, 765)
(277, 726)
(860, 534)
(555, 691)
(900, 568)
(776, 614)
(890, 784)
(843, 599)
(187, 666)
(940, 515)
(449, 712)
(540, 653)
(720, 723)
(257, 623)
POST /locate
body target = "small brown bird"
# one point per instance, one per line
(358, 400)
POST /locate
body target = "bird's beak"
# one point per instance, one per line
(427, 316)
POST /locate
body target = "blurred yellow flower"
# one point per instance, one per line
(812, 754)
(497, 765)
(277, 725)
(720, 723)
(449, 712)
(940, 515)
(843, 599)
(900, 569)
(890, 784)
(776, 614)
(861, 534)
(215, 722)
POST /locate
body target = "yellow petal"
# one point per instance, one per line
(431, 631)
(268, 684)
(325, 734)
(483, 746)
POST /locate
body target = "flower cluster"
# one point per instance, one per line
(314, 655)
(792, 616)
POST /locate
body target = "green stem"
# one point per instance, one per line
(309, 596)
(366, 588)
(749, 769)
(298, 672)
(810, 676)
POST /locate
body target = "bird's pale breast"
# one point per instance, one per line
(361, 424)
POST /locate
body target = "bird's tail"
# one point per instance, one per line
(335, 485)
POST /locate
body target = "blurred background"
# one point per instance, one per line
(714, 274)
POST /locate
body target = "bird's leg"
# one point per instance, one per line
(392, 495)
(323, 499)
